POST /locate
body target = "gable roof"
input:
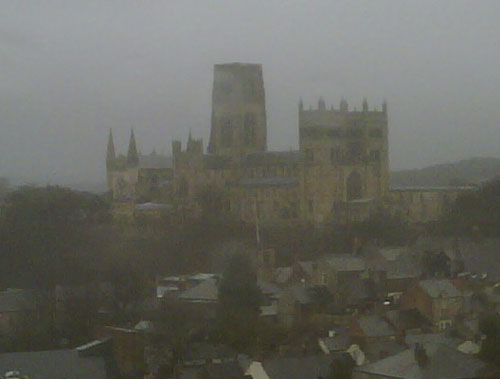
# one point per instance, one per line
(398, 262)
(443, 362)
(339, 342)
(379, 349)
(428, 338)
(404, 319)
(439, 288)
(300, 293)
(17, 300)
(375, 326)
(392, 253)
(315, 366)
(346, 262)
(54, 364)
(205, 292)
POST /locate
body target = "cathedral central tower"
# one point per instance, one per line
(238, 110)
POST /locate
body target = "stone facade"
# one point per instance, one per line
(345, 158)
(339, 174)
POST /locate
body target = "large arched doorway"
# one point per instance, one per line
(354, 186)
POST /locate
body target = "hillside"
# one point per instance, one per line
(472, 170)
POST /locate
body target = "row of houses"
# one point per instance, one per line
(374, 312)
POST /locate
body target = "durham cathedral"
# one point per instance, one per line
(339, 174)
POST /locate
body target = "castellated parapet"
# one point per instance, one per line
(345, 157)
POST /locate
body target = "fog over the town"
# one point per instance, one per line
(70, 70)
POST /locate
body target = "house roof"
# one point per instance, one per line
(407, 319)
(283, 274)
(398, 263)
(17, 300)
(206, 352)
(379, 349)
(300, 293)
(269, 310)
(375, 326)
(268, 288)
(439, 288)
(346, 262)
(226, 370)
(205, 292)
(336, 343)
(152, 206)
(392, 253)
(54, 364)
(443, 362)
(316, 366)
(493, 294)
(412, 339)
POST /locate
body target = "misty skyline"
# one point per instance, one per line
(72, 70)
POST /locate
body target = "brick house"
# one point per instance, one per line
(439, 300)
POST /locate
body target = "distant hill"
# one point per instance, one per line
(468, 171)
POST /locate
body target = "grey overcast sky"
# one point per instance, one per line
(70, 70)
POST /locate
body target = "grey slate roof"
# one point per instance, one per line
(392, 253)
(152, 206)
(300, 293)
(308, 367)
(205, 292)
(412, 339)
(345, 262)
(337, 343)
(398, 263)
(54, 364)
(439, 288)
(268, 288)
(443, 362)
(17, 300)
(207, 352)
(407, 319)
(376, 350)
(375, 326)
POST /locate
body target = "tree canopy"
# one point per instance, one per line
(43, 233)
(239, 302)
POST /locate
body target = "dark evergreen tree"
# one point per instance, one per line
(239, 303)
